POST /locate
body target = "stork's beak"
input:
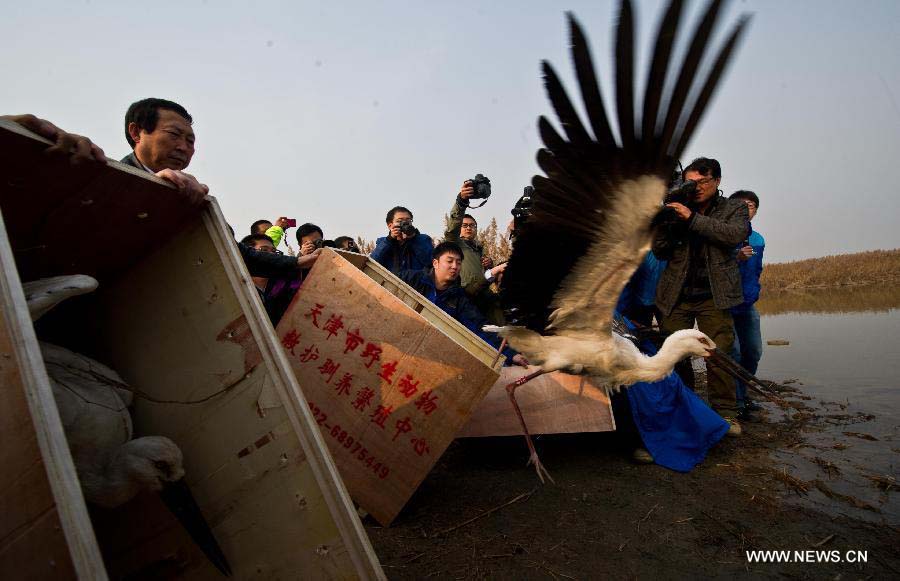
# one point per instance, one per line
(180, 501)
(733, 368)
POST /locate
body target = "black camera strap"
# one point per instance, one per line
(479, 205)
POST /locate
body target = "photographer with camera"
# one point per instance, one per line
(701, 281)
(404, 248)
(310, 238)
(462, 229)
(346, 243)
(277, 230)
(282, 286)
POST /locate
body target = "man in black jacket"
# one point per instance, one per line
(701, 281)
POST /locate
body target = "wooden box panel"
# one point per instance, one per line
(388, 388)
(553, 403)
(45, 531)
(245, 464)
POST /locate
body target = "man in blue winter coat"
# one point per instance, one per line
(747, 335)
(404, 248)
(439, 283)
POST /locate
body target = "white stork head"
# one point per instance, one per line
(689, 342)
(153, 462)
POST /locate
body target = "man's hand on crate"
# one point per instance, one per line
(77, 148)
(305, 261)
(187, 184)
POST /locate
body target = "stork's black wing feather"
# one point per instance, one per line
(585, 173)
(625, 75)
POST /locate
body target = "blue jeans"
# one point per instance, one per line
(747, 346)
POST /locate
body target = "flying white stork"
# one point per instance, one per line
(93, 402)
(594, 213)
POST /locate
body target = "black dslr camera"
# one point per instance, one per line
(524, 205)
(407, 228)
(522, 210)
(682, 194)
(482, 189)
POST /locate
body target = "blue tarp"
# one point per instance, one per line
(677, 427)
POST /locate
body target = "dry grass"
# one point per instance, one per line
(830, 271)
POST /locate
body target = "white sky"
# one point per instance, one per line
(332, 112)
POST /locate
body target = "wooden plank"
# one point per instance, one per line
(45, 530)
(369, 365)
(554, 403)
(295, 404)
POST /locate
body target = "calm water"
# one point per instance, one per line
(845, 352)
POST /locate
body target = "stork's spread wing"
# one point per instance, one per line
(591, 220)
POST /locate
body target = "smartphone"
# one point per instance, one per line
(292, 222)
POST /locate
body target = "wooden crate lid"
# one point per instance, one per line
(459, 333)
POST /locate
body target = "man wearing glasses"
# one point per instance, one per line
(462, 229)
(701, 281)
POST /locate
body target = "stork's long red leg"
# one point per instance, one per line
(499, 353)
(511, 389)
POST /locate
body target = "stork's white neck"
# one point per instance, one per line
(656, 367)
(669, 354)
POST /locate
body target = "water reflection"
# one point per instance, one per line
(843, 350)
(875, 297)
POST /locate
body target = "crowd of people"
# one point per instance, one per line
(703, 269)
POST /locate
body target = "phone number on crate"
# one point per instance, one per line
(353, 445)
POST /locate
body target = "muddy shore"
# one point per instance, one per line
(481, 514)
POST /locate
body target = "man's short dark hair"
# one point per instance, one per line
(704, 166)
(254, 225)
(394, 210)
(470, 217)
(306, 230)
(446, 247)
(339, 241)
(745, 195)
(145, 113)
(249, 240)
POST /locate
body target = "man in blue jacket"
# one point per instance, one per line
(747, 335)
(439, 283)
(404, 248)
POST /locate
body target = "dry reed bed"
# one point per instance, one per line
(829, 271)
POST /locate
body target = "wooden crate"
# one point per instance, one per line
(389, 377)
(554, 403)
(472, 343)
(178, 317)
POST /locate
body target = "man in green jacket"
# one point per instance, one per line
(462, 229)
(475, 275)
